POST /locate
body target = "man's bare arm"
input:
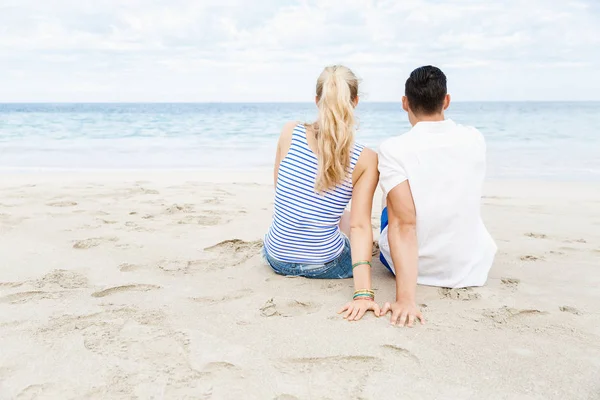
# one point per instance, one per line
(402, 237)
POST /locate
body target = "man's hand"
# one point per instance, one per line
(403, 313)
(357, 308)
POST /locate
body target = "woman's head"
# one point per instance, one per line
(337, 95)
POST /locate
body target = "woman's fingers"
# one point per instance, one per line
(395, 315)
(386, 308)
(361, 312)
(344, 308)
(354, 313)
(411, 320)
(376, 310)
(349, 311)
(420, 316)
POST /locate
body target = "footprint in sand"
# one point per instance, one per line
(125, 288)
(61, 278)
(332, 286)
(465, 294)
(214, 201)
(536, 235)
(94, 242)
(178, 266)
(179, 208)
(219, 366)
(134, 227)
(235, 245)
(25, 297)
(36, 391)
(558, 253)
(234, 252)
(10, 284)
(202, 220)
(126, 267)
(102, 334)
(288, 308)
(318, 371)
(531, 258)
(285, 396)
(510, 282)
(402, 352)
(505, 314)
(62, 204)
(240, 294)
(149, 191)
(339, 363)
(569, 309)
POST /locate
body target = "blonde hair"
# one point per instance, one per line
(337, 91)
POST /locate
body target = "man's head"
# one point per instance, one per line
(425, 95)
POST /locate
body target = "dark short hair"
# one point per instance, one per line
(426, 90)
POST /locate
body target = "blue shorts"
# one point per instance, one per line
(384, 224)
(340, 268)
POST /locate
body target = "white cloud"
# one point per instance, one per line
(233, 50)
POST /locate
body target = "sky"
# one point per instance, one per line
(273, 50)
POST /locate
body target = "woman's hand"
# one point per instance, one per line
(355, 309)
(403, 313)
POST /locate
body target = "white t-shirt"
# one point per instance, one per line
(445, 165)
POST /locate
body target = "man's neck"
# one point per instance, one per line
(429, 118)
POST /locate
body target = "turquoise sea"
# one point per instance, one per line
(554, 141)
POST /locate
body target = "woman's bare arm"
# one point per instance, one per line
(361, 231)
(283, 146)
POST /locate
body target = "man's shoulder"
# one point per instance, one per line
(468, 129)
(396, 142)
(472, 133)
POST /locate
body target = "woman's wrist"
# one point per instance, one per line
(359, 263)
(364, 294)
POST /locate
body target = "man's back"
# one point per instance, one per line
(445, 166)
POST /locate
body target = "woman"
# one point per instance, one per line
(318, 170)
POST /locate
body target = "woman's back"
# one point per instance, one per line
(305, 223)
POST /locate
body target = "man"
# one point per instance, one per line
(432, 179)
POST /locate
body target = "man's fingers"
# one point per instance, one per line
(403, 318)
(386, 308)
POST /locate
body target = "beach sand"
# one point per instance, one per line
(149, 285)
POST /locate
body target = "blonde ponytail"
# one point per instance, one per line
(337, 91)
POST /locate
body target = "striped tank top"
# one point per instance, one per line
(305, 228)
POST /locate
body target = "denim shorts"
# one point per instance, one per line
(384, 224)
(340, 268)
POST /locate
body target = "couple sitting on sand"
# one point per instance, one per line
(431, 177)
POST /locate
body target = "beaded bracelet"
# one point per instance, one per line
(361, 263)
(364, 294)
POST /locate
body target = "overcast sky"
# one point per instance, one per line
(273, 50)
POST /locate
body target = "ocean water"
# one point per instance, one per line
(551, 141)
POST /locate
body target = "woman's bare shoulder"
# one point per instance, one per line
(288, 129)
(368, 158)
